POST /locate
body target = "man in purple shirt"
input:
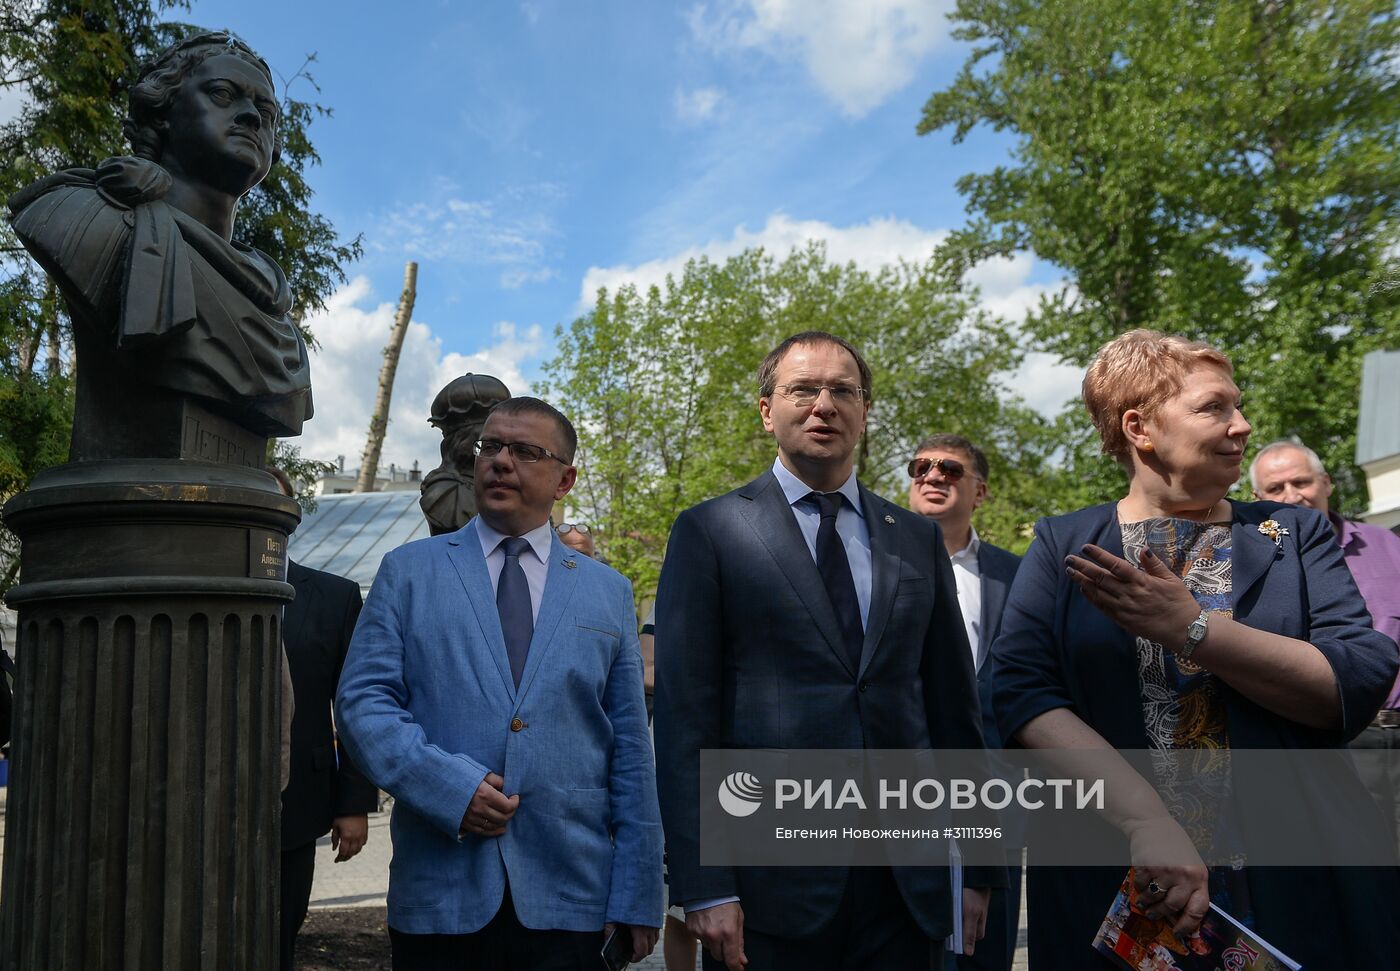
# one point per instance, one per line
(1286, 471)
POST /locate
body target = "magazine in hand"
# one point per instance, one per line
(1137, 942)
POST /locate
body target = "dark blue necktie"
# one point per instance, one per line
(836, 574)
(513, 604)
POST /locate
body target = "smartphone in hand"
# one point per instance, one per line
(617, 950)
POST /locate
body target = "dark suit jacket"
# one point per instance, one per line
(1057, 650)
(749, 654)
(316, 630)
(998, 569)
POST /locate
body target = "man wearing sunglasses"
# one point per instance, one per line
(947, 483)
(577, 537)
(801, 611)
(494, 688)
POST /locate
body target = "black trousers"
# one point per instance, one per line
(1382, 776)
(504, 944)
(872, 929)
(298, 867)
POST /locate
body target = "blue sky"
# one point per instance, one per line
(524, 153)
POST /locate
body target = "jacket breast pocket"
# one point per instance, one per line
(598, 637)
(914, 586)
(592, 650)
(606, 628)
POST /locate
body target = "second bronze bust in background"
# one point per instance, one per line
(459, 411)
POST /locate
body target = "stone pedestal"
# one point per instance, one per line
(144, 799)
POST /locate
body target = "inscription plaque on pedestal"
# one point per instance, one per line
(267, 555)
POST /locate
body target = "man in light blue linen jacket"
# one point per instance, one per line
(494, 688)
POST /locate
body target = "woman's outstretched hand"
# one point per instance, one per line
(1150, 602)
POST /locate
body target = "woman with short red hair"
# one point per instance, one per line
(1175, 620)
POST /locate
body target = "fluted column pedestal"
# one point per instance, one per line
(142, 827)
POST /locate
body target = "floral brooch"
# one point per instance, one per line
(1272, 529)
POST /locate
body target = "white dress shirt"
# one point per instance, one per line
(534, 561)
(969, 579)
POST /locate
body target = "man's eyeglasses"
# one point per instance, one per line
(804, 395)
(520, 451)
(564, 529)
(950, 469)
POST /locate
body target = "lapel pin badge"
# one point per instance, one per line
(1273, 530)
(570, 564)
(889, 519)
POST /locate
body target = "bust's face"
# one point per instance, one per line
(222, 126)
(457, 444)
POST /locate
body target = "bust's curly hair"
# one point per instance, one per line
(160, 80)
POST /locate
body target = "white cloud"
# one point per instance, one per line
(1045, 384)
(517, 278)
(859, 52)
(870, 245)
(1042, 381)
(1005, 283)
(1005, 287)
(352, 331)
(700, 105)
(512, 228)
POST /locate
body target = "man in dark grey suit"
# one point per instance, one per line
(948, 482)
(802, 611)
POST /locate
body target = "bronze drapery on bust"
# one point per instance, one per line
(193, 312)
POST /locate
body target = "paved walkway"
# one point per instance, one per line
(358, 882)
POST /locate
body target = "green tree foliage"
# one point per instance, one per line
(72, 63)
(36, 412)
(1223, 169)
(662, 387)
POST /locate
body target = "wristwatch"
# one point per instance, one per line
(1194, 635)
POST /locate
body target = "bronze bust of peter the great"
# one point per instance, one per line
(170, 316)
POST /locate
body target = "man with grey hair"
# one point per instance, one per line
(1289, 471)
